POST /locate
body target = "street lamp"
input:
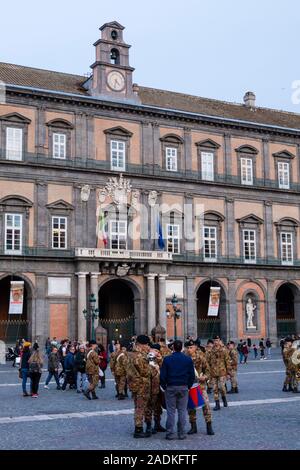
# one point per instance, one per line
(91, 315)
(175, 314)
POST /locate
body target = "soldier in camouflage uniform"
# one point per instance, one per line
(92, 370)
(287, 353)
(138, 378)
(208, 349)
(219, 365)
(120, 371)
(201, 373)
(164, 350)
(233, 358)
(154, 407)
(112, 363)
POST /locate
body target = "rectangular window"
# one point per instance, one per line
(14, 143)
(13, 233)
(171, 159)
(59, 146)
(173, 238)
(207, 166)
(246, 171)
(210, 243)
(249, 246)
(284, 175)
(118, 234)
(59, 233)
(286, 243)
(117, 155)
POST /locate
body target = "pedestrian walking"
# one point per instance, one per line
(79, 368)
(92, 370)
(24, 366)
(53, 365)
(219, 364)
(233, 360)
(255, 351)
(35, 370)
(69, 370)
(268, 346)
(245, 351)
(102, 364)
(177, 376)
(240, 351)
(262, 349)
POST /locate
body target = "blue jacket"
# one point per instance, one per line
(69, 361)
(177, 369)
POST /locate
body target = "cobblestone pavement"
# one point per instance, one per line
(261, 416)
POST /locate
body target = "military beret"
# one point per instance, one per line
(188, 343)
(143, 339)
(155, 346)
(216, 337)
(92, 342)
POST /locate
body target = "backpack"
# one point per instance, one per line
(34, 367)
(132, 375)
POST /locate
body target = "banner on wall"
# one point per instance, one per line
(214, 302)
(16, 298)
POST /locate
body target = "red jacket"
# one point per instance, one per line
(103, 360)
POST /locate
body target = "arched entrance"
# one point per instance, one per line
(287, 307)
(117, 308)
(207, 327)
(13, 327)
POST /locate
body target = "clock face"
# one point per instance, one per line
(116, 81)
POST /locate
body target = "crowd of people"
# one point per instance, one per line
(158, 375)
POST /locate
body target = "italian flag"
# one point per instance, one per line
(101, 234)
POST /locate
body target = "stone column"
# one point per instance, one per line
(230, 228)
(81, 305)
(269, 241)
(151, 301)
(191, 307)
(162, 300)
(94, 290)
(271, 320)
(232, 333)
(187, 150)
(266, 159)
(227, 154)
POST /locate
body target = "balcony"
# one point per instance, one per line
(122, 254)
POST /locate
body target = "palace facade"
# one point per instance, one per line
(135, 194)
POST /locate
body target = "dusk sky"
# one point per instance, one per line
(216, 49)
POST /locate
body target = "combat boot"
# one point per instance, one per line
(284, 389)
(209, 390)
(121, 396)
(231, 391)
(236, 390)
(224, 399)
(295, 390)
(290, 389)
(209, 429)
(193, 429)
(87, 394)
(148, 431)
(217, 407)
(138, 433)
(158, 427)
(94, 396)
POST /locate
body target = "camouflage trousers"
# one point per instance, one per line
(153, 408)
(120, 383)
(206, 410)
(140, 406)
(94, 380)
(288, 377)
(233, 379)
(218, 384)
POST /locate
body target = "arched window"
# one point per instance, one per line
(115, 57)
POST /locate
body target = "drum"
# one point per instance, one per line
(195, 397)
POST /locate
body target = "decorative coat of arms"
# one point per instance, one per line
(122, 270)
(85, 193)
(118, 189)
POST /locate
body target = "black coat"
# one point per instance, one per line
(80, 362)
(53, 362)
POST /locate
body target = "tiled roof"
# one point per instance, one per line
(67, 83)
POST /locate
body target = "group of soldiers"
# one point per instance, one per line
(292, 365)
(139, 370)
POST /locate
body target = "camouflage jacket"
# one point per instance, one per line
(138, 370)
(219, 362)
(112, 361)
(120, 366)
(165, 351)
(201, 364)
(286, 355)
(233, 359)
(155, 377)
(92, 363)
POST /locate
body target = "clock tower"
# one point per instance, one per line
(112, 74)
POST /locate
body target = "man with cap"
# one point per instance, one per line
(92, 370)
(138, 378)
(201, 373)
(154, 407)
(208, 348)
(120, 370)
(219, 365)
(233, 358)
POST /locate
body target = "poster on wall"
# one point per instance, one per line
(16, 298)
(214, 302)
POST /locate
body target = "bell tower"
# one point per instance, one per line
(112, 74)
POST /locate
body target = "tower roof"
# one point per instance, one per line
(113, 24)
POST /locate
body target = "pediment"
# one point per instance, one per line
(208, 143)
(15, 201)
(17, 118)
(60, 123)
(214, 216)
(112, 24)
(250, 219)
(60, 205)
(247, 149)
(172, 138)
(287, 222)
(118, 131)
(283, 154)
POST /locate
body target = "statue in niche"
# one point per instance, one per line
(250, 308)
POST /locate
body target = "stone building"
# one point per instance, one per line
(133, 194)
